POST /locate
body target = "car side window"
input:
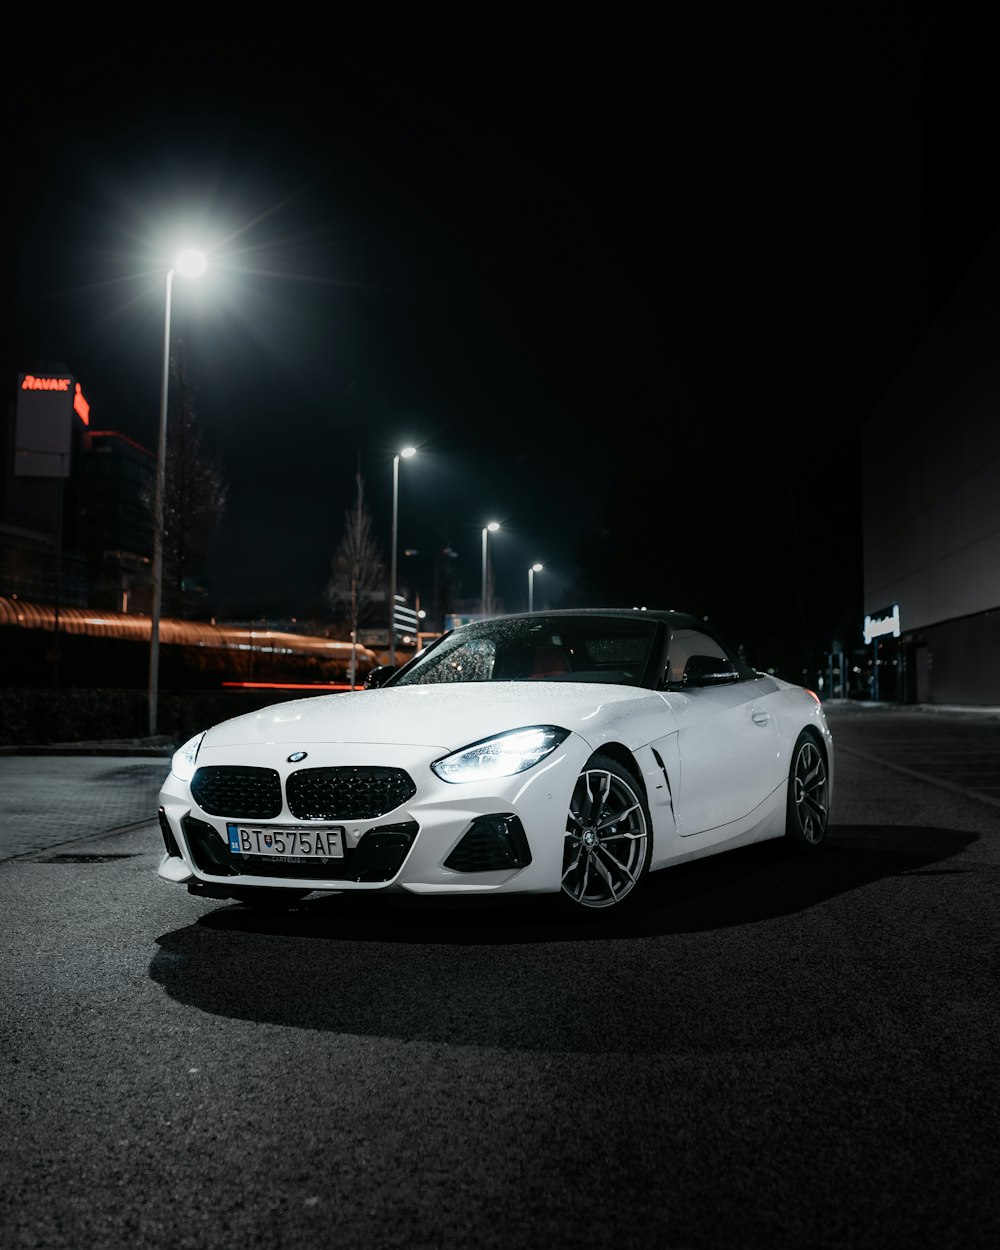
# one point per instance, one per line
(687, 642)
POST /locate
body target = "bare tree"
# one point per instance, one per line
(357, 569)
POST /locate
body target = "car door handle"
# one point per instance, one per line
(760, 718)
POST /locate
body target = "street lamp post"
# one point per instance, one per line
(190, 264)
(406, 453)
(535, 568)
(491, 528)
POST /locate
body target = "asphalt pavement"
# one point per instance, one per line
(48, 800)
(774, 1052)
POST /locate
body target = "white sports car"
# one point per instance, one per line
(563, 752)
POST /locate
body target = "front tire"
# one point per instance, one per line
(609, 839)
(808, 808)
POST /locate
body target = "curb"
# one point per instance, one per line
(163, 753)
(989, 711)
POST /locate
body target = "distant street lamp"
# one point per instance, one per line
(487, 530)
(535, 568)
(406, 453)
(190, 264)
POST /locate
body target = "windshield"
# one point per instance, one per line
(593, 649)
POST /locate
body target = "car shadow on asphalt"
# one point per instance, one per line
(438, 970)
(744, 886)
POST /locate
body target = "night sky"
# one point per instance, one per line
(631, 290)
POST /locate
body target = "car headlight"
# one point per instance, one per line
(185, 759)
(502, 755)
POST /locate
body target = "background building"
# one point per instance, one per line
(931, 502)
(114, 527)
(75, 522)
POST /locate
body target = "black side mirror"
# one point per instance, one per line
(379, 676)
(707, 670)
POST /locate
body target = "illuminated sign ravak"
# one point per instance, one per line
(31, 383)
(887, 622)
(80, 405)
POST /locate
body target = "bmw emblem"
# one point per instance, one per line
(296, 756)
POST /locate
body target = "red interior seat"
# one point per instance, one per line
(548, 661)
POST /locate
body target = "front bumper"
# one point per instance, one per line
(468, 838)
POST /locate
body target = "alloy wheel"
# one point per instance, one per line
(607, 839)
(809, 792)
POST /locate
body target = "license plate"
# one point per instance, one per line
(294, 845)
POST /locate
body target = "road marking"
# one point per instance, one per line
(912, 772)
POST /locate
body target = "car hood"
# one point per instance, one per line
(446, 716)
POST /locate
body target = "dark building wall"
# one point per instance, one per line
(114, 524)
(932, 467)
(962, 661)
(86, 538)
(116, 481)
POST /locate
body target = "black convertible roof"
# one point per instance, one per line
(676, 620)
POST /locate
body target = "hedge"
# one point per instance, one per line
(46, 716)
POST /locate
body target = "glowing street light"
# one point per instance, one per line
(491, 528)
(189, 264)
(535, 568)
(405, 453)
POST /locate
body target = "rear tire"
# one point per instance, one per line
(808, 807)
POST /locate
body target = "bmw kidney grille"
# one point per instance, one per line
(313, 793)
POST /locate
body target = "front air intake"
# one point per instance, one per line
(378, 856)
(169, 841)
(491, 843)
